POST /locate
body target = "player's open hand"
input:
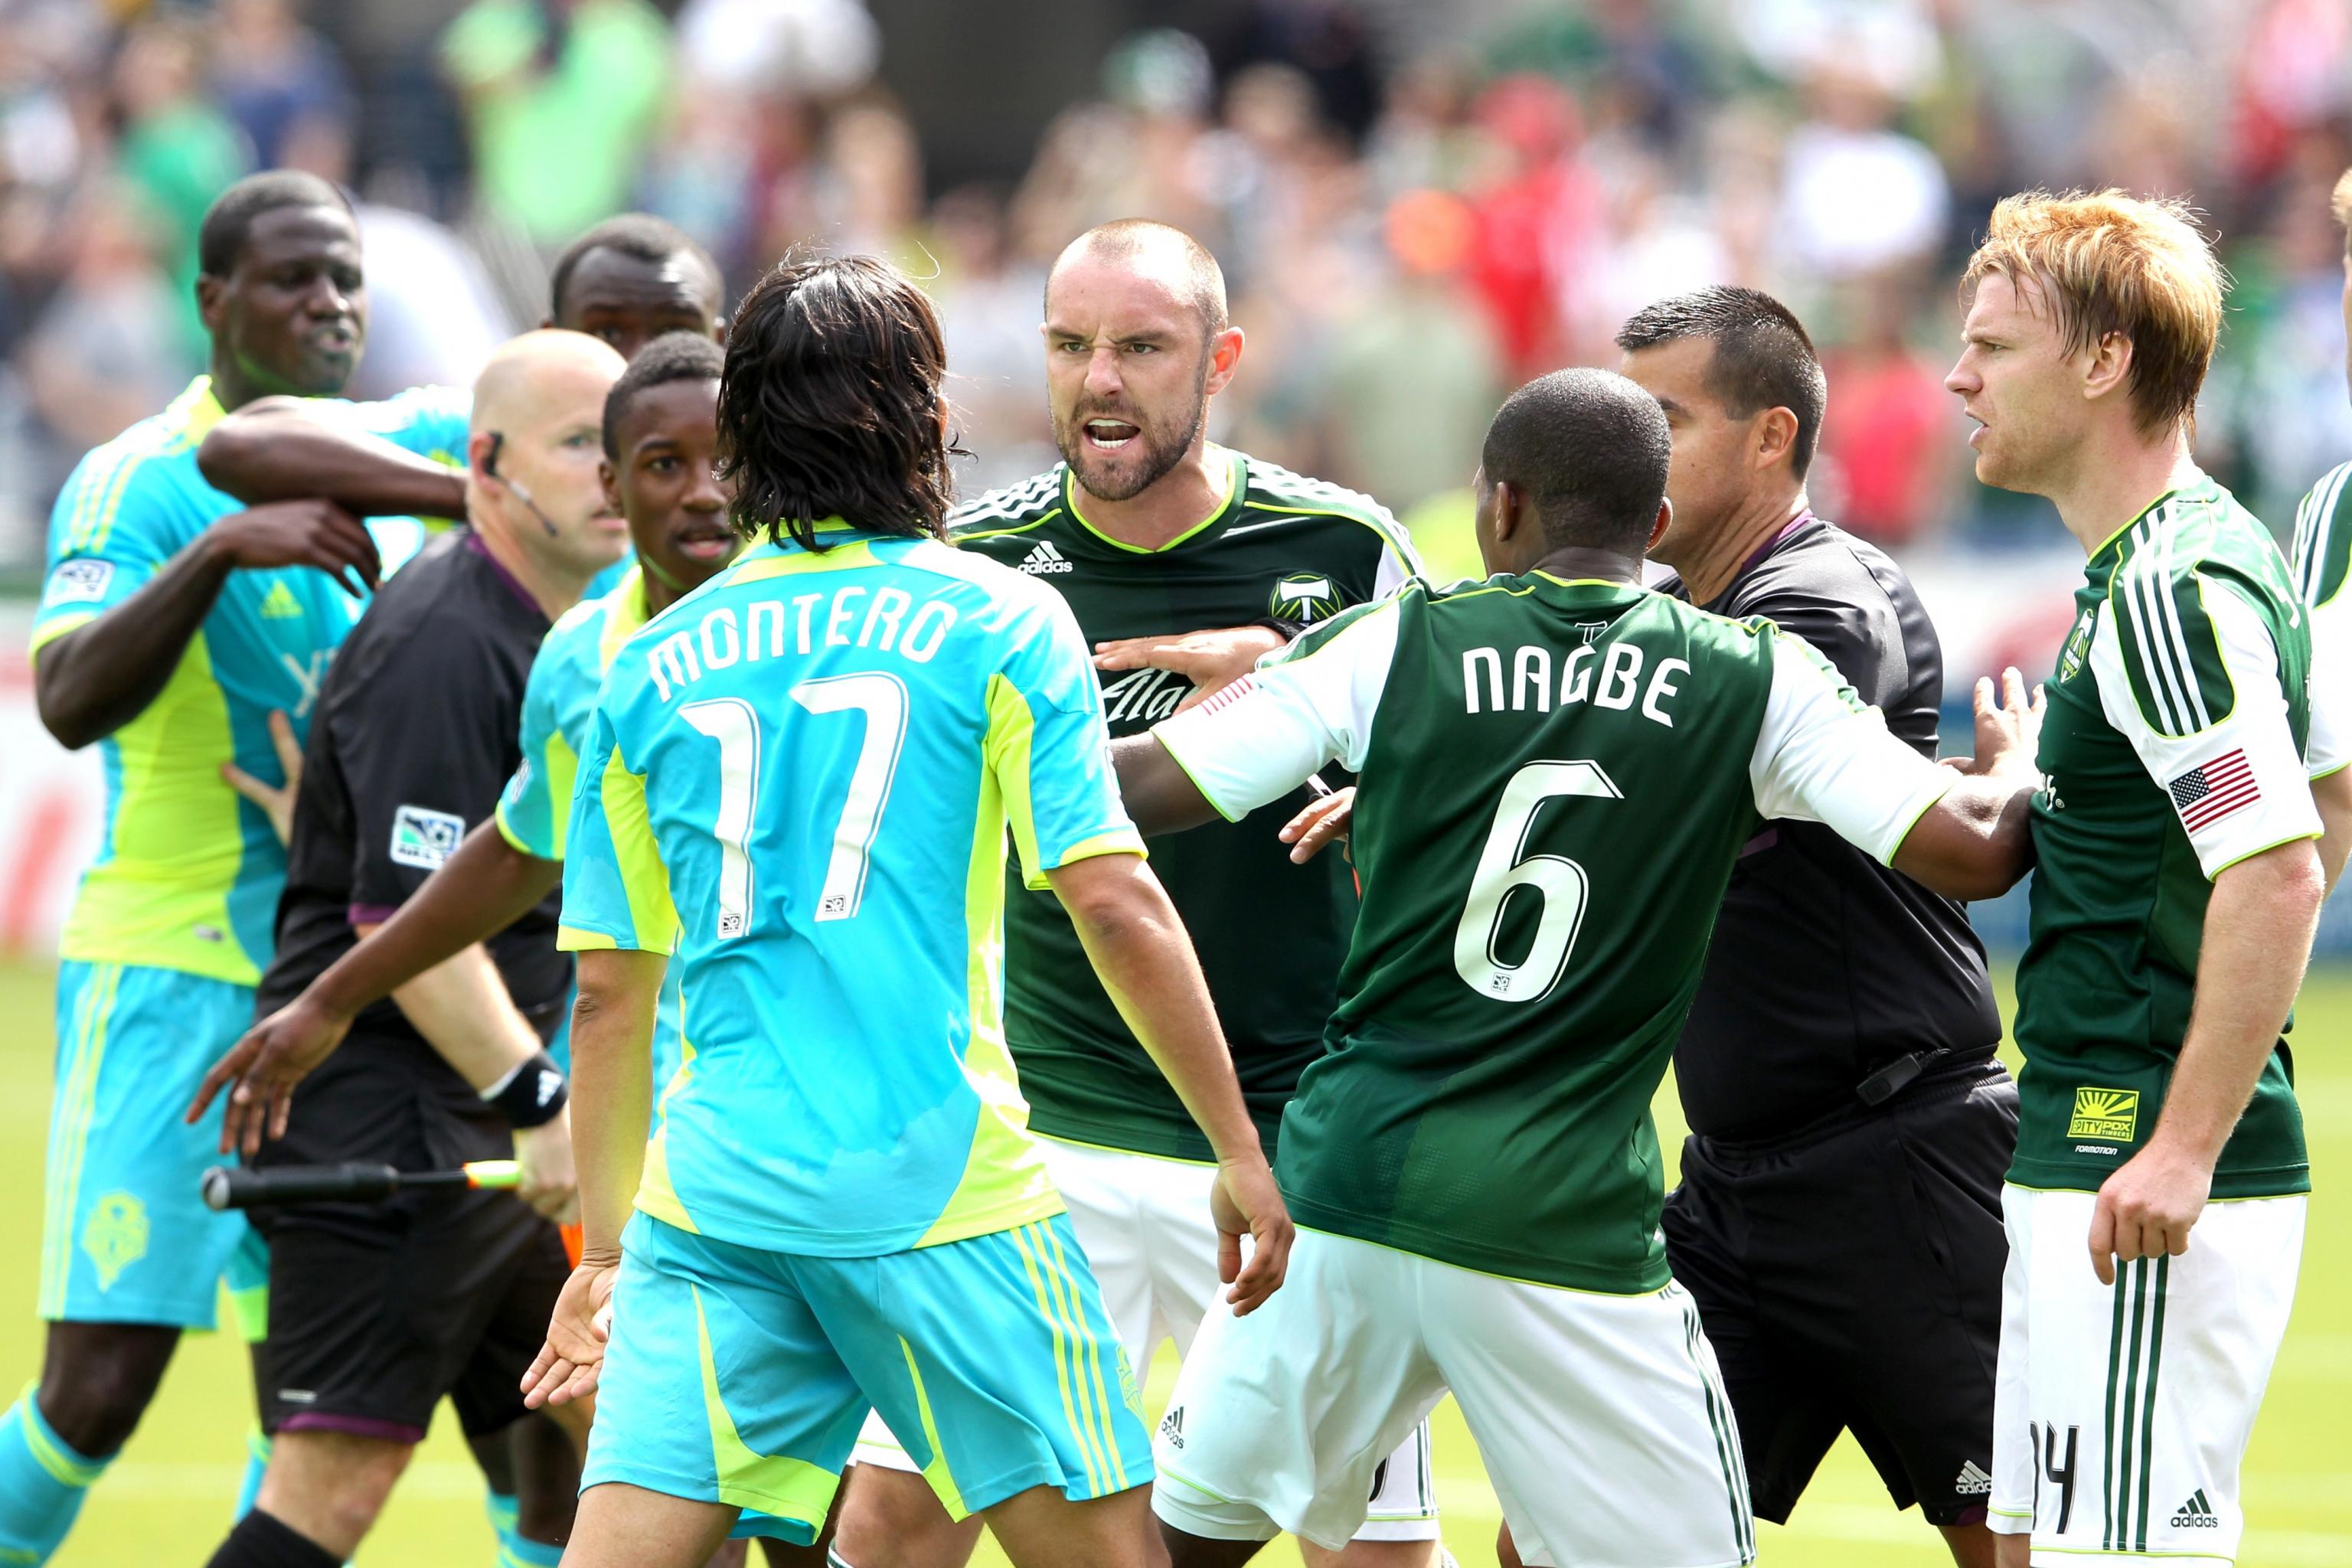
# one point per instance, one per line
(1323, 823)
(302, 533)
(261, 1070)
(275, 801)
(544, 1155)
(2146, 1209)
(1210, 660)
(1246, 1202)
(2008, 728)
(568, 1364)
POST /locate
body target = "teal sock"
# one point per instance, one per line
(517, 1550)
(42, 1484)
(257, 1461)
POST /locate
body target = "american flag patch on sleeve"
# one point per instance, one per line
(2206, 794)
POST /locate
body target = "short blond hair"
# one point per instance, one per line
(2109, 262)
(2340, 203)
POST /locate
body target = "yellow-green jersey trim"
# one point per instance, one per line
(774, 1484)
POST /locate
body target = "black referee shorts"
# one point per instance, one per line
(1849, 1279)
(378, 1310)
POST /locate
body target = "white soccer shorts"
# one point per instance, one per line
(1145, 1225)
(2121, 1413)
(1601, 1419)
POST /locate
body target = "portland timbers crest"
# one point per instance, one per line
(2077, 650)
(1304, 598)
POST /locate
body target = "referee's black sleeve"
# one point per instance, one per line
(428, 740)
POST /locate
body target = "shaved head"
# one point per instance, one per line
(1156, 251)
(525, 374)
(534, 450)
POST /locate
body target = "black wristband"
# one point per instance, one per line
(532, 1094)
(1286, 630)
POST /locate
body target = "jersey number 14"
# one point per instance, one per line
(1505, 867)
(731, 723)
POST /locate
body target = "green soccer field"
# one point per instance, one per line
(168, 1500)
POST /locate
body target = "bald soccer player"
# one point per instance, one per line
(1150, 531)
(378, 1313)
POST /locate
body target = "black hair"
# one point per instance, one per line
(1204, 280)
(638, 236)
(830, 404)
(1763, 358)
(229, 220)
(673, 357)
(1589, 449)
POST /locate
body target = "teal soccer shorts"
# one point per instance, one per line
(741, 1376)
(125, 1237)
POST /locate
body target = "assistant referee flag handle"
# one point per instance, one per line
(238, 1187)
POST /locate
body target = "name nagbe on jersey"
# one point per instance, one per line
(885, 619)
(1612, 680)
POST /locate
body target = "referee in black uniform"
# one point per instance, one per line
(1839, 1219)
(378, 1311)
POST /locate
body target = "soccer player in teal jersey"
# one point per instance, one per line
(628, 280)
(1559, 770)
(173, 625)
(2176, 888)
(799, 784)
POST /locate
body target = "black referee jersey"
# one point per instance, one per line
(417, 729)
(1826, 965)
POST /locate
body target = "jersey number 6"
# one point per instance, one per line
(1505, 866)
(731, 723)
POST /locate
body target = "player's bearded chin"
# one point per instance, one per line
(1155, 448)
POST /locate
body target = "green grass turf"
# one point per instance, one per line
(168, 1500)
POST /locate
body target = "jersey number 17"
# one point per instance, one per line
(731, 721)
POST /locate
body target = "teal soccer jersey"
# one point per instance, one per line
(798, 784)
(558, 708)
(188, 872)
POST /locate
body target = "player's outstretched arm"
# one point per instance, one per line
(99, 677)
(1158, 795)
(484, 888)
(1145, 960)
(2258, 932)
(1976, 843)
(611, 1107)
(276, 448)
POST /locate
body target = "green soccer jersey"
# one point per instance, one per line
(1556, 778)
(1270, 935)
(2173, 749)
(2323, 564)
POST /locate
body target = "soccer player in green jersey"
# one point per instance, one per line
(843, 1208)
(2323, 565)
(1148, 529)
(174, 624)
(2175, 893)
(1558, 770)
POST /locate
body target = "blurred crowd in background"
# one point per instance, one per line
(1418, 203)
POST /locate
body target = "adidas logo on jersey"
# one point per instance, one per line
(2197, 1514)
(1972, 1481)
(280, 605)
(1171, 1427)
(1044, 559)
